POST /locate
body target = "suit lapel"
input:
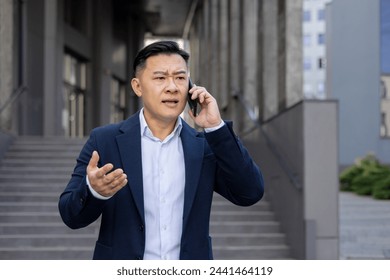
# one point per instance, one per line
(129, 144)
(193, 157)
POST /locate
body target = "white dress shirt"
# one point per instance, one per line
(163, 174)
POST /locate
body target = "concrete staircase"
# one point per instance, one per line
(36, 170)
(246, 233)
(32, 175)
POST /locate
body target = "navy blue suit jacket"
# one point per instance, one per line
(215, 161)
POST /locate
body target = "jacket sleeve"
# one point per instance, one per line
(238, 178)
(77, 206)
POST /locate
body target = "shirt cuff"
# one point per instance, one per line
(211, 129)
(95, 193)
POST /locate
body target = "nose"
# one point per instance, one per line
(171, 86)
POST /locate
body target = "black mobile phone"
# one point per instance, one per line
(192, 103)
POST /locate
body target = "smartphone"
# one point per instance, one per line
(192, 103)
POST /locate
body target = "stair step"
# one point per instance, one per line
(28, 206)
(60, 155)
(248, 239)
(38, 162)
(46, 253)
(50, 177)
(33, 169)
(247, 227)
(42, 228)
(25, 217)
(251, 252)
(29, 196)
(47, 240)
(242, 216)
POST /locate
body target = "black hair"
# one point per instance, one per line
(160, 47)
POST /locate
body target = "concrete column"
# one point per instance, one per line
(235, 74)
(50, 69)
(134, 40)
(6, 62)
(294, 49)
(32, 110)
(214, 73)
(102, 57)
(223, 55)
(270, 58)
(250, 54)
(204, 52)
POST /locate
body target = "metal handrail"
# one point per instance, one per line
(282, 161)
(15, 95)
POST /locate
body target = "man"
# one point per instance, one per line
(152, 176)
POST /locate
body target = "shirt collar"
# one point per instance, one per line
(146, 132)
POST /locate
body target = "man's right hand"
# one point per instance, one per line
(103, 182)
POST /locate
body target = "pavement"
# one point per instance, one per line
(364, 227)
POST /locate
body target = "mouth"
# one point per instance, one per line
(171, 101)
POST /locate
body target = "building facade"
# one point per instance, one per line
(357, 76)
(314, 54)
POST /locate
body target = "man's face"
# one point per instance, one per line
(163, 85)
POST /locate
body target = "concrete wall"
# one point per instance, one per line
(6, 59)
(320, 177)
(306, 137)
(354, 71)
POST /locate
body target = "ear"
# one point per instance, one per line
(135, 84)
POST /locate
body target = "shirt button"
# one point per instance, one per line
(141, 227)
(164, 227)
(162, 200)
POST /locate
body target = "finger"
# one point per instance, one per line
(93, 162)
(114, 175)
(195, 91)
(119, 181)
(104, 170)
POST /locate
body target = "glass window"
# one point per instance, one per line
(307, 40)
(74, 96)
(306, 16)
(385, 106)
(307, 63)
(321, 39)
(118, 100)
(321, 14)
(321, 88)
(321, 63)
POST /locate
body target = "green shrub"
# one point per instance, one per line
(372, 174)
(347, 176)
(381, 189)
(362, 185)
(367, 177)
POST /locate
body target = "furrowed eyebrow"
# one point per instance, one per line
(166, 73)
(180, 72)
